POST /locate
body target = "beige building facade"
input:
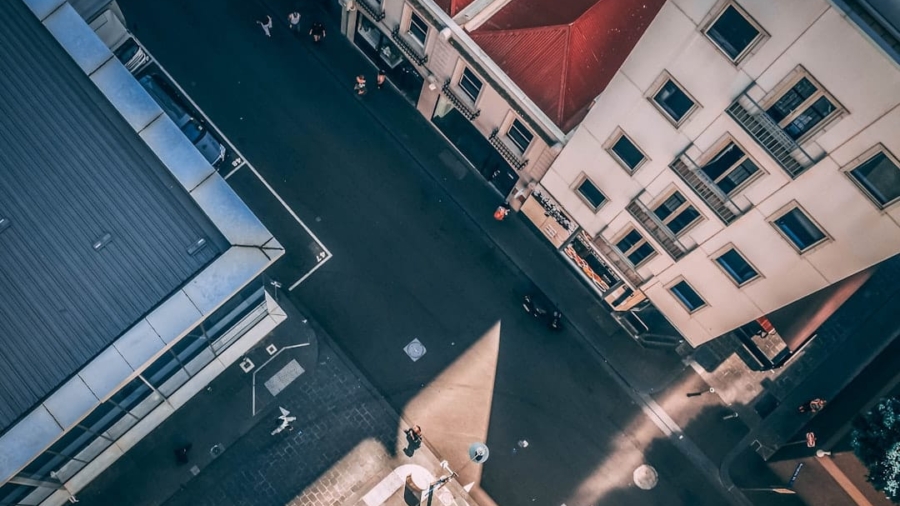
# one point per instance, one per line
(744, 156)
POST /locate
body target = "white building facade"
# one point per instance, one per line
(744, 156)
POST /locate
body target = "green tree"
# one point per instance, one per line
(876, 441)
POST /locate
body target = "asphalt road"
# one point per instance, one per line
(409, 263)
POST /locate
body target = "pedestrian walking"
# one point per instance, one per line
(266, 26)
(382, 77)
(360, 85)
(294, 21)
(317, 31)
(414, 434)
(181, 453)
(813, 406)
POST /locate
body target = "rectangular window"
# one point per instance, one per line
(676, 213)
(799, 229)
(673, 101)
(470, 84)
(418, 28)
(626, 153)
(802, 108)
(879, 176)
(635, 248)
(520, 135)
(591, 194)
(687, 296)
(735, 266)
(730, 168)
(733, 33)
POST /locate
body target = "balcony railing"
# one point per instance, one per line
(376, 13)
(621, 264)
(706, 189)
(657, 229)
(792, 158)
(458, 102)
(508, 154)
(407, 49)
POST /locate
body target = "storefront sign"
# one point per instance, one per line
(589, 262)
(548, 218)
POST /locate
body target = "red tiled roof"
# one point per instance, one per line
(562, 54)
(452, 7)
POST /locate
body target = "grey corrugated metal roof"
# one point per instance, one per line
(72, 170)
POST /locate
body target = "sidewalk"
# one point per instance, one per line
(344, 441)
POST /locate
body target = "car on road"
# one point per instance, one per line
(203, 140)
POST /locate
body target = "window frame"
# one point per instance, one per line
(761, 35)
(658, 202)
(866, 157)
(462, 76)
(671, 289)
(581, 181)
(785, 86)
(719, 147)
(657, 87)
(618, 135)
(725, 250)
(409, 27)
(789, 208)
(626, 254)
(512, 124)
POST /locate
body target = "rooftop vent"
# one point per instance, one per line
(198, 245)
(101, 243)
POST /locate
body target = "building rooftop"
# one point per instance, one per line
(452, 7)
(95, 231)
(563, 54)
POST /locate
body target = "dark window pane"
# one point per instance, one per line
(12, 493)
(470, 84)
(808, 119)
(418, 28)
(102, 417)
(39, 468)
(640, 254)
(627, 242)
(675, 102)
(670, 205)
(799, 229)
(738, 176)
(687, 296)
(732, 32)
(880, 177)
(736, 267)
(627, 152)
(520, 135)
(237, 307)
(791, 100)
(684, 218)
(72, 442)
(723, 161)
(131, 394)
(591, 193)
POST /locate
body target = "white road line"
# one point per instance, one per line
(243, 164)
(246, 163)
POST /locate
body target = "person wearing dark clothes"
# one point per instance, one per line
(317, 31)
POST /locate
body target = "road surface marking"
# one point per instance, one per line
(242, 165)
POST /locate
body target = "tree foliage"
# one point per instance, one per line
(876, 441)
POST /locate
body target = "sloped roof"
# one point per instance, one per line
(452, 7)
(562, 54)
(72, 172)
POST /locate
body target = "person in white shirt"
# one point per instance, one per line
(294, 21)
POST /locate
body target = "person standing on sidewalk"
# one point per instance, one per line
(266, 26)
(294, 21)
(317, 31)
(360, 85)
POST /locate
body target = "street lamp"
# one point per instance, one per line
(697, 394)
(478, 453)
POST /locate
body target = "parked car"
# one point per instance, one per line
(110, 29)
(205, 142)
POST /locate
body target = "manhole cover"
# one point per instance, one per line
(645, 477)
(216, 450)
(415, 350)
